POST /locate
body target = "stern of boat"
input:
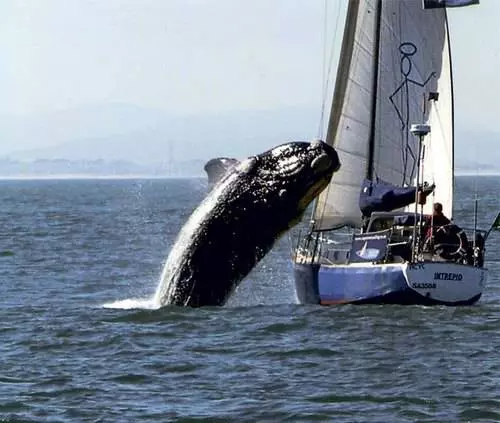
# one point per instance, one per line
(306, 282)
(446, 283)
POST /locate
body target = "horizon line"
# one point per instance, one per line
(93, 177)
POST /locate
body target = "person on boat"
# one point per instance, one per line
(435, 221)
(447, 240)
(438, 217)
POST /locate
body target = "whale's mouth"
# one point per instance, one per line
(314, 190)
(318, 187)
(323, 167)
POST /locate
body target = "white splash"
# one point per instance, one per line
(133, 303)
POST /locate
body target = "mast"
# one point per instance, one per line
(371, 144)
(452, 106)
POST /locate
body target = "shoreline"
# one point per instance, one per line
(90, 177)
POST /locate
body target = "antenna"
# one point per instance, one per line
(420, 130)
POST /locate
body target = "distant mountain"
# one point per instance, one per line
(81, 122)
(143, 136)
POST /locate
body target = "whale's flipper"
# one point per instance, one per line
(216, 168)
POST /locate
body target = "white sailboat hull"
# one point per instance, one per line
(446, 282)
(427, 283)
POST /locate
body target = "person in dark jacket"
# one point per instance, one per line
(438, 218)
(434, 222)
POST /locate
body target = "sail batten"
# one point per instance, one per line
(395, 55)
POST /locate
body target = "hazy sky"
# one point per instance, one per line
(197, 56)
(178, 55)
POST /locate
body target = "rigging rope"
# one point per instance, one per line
(326, 77)
(327, 72)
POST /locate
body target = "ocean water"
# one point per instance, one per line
(79, 341)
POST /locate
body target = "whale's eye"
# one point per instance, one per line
(321, 163)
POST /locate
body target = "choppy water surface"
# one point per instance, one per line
(79, 340)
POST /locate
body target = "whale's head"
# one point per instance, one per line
(291, 176)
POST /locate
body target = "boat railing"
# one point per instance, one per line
(335, 247)
(320, 247)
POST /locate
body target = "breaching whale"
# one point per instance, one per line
(240, 220)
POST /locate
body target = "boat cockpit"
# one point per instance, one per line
(398, 237)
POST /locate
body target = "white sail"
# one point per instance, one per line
(350, 118)
(414, 65)
(438, 165)
(395, 54)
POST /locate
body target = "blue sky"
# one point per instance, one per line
(204, 56)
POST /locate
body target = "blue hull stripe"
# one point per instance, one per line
(347, 284)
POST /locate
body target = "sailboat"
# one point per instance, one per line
(372, 237)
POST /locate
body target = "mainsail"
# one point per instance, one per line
(394, 70)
